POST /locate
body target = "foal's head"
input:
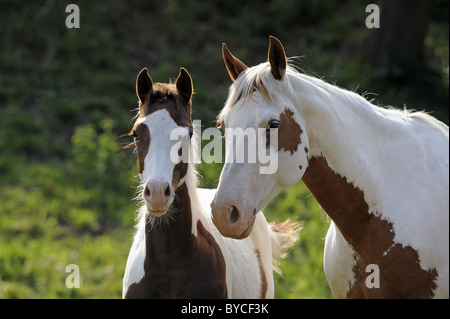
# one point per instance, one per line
(260, 99)
(162, 134)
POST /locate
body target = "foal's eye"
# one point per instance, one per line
(135, 136)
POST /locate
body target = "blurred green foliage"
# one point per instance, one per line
(66, 95)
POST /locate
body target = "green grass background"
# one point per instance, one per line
(66, 95)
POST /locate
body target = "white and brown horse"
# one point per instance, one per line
(177, 252)
(382, 175)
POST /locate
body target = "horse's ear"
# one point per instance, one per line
(184, 85)
(233, 64)
(277, 58)
(144, 85)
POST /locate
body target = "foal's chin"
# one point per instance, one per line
(158, 211)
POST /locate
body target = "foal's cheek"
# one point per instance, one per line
(179, 172)
(140, 167)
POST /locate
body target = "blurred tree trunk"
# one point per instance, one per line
(399, 42)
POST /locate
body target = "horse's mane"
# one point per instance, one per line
(430, 120)
(254, 78)
(259, 78)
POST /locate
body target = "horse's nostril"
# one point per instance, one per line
(167, 191)
(234, 216)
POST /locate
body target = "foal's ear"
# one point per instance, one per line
(144, 84)
(184, 85)
(277, 58)
(233, 64)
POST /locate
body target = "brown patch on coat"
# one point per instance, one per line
(142, 144)
(371, 237)
(288, 132)
(264, 285)
(178, 264)
(179, 171)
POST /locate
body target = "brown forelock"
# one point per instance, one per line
(263, 291)
(288, 132)
(370, 236)
(178, 264)
(165, 96)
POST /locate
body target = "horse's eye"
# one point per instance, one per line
(190, 134)
(135, 136)
(273, 124)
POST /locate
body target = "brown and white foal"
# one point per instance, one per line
(177, 252)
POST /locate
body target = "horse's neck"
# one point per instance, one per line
(341, 125)
(346, 139)
(346, 129)
(341, 200)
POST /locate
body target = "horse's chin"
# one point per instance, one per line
(248, 231)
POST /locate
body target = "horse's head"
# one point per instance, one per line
(260, 100)
(162, 134)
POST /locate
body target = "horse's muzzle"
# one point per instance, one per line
(230, 221)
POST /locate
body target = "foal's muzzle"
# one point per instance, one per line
(158, 197)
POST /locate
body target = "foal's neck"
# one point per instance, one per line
(163, 236)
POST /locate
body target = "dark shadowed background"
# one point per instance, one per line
(66, 95)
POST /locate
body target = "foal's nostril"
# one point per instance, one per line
(147, 192)
(234, 216)
(167, 191)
